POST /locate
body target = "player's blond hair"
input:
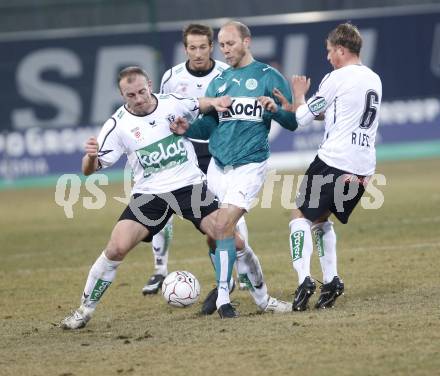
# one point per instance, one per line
(346, 35)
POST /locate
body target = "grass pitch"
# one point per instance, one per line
(386, 324)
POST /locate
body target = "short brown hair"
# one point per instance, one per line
(241, 27)
(346, 35)
(130, 72)
(198, 29)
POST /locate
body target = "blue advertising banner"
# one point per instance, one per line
(58, 88)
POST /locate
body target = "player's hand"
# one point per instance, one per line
(300, 85)
(221, 104)
(179, 126)
(268, 104)
(285, 104)
(91, 147)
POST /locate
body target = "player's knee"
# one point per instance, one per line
(223, 229)
(322, 219)
(116, 250)
(296, 214)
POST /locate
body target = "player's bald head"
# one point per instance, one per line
(242, 29)
(130, 73)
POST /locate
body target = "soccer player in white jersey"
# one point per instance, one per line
(189, 79)
(166, 177)
(349, 98)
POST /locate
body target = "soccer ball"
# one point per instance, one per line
(181, 289)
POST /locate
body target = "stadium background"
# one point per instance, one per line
(60, 59)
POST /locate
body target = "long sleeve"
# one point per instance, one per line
(202, 127)
(285, 118)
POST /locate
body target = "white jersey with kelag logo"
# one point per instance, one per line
(160, 160)
(350, 97)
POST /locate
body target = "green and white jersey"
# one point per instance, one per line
(160, 160)
(241, 135)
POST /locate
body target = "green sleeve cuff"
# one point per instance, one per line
(286, 119)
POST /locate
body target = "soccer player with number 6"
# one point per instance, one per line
(349, 98)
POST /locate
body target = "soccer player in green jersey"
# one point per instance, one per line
(240, 148)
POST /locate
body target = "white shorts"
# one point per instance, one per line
(237, 186)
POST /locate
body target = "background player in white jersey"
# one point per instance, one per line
(238, 141)
(349, 97)
(189, 79)
(166, 176)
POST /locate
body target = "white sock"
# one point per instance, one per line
(250, 272)
(101, 275)
(160, 246)
(301, 247)
(242, 229)
(223, 294)
(325, 240)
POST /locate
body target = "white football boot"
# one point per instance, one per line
(277, 306)
(77, 319)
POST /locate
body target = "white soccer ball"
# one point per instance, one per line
(181, 289)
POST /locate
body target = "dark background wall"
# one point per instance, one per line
(19, 15)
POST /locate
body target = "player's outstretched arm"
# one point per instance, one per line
(300, 87)
(90, 159)
(200, 128)
(220, 104)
